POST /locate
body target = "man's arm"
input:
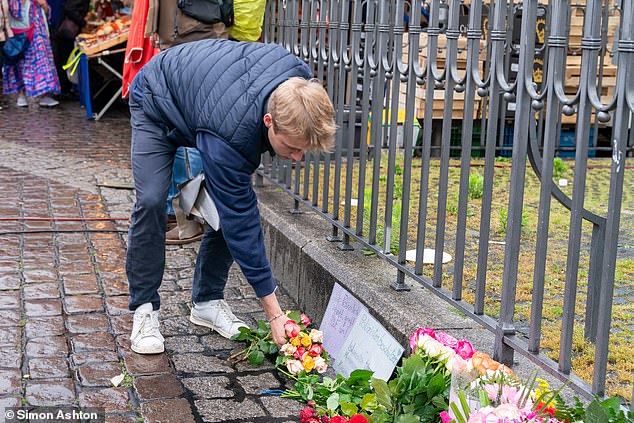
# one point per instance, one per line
(228, 177)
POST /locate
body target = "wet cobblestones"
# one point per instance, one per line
(64, 322)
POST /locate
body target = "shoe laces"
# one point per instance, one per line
(228, 314)
(149, 325)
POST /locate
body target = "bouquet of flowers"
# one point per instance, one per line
(309, 415)
(439, 346)
(303, 350)
(500, 397)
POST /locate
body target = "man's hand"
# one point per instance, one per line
(275, 316)
(277, 329)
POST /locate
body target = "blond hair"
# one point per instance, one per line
(301, 108)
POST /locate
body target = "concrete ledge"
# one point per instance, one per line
(307, 266)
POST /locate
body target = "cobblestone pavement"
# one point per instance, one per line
(64, 321)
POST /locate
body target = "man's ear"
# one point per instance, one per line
(268, 120)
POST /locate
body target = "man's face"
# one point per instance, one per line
(286, 147)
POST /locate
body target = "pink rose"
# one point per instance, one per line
(299, 354)
(291, 328)
(304, 319)
(315, 350)
(447, 340)
(419, 333)
(320, 364)
(445, 417)
(464, 349)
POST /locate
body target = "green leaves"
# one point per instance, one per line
(259, 344)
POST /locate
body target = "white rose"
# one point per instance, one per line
(320, 364)
(294, 366)
(316, 336)
(457, 365)
(288, 349)
(446, 353)
(432, 348)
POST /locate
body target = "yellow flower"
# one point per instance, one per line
(295, 341)
(309, 363)
(306, 342)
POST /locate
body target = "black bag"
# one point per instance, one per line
(208, 11)
(14, 48)
(68, 29)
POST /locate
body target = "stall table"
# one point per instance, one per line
(97, 51)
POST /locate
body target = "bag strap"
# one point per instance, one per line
(187, 166)
(73, 60)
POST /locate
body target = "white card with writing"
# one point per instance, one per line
(368, 346)
(341, 313)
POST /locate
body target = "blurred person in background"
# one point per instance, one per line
(34, 73)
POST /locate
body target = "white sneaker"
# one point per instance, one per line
(22, 101)
(216, 315)
(46, 101)
(145, 337)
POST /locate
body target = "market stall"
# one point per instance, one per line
(101, 38)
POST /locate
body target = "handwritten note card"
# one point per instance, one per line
(341, 313)
(368, 346)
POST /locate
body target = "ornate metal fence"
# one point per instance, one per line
(512, 75)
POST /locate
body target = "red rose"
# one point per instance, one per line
(315, 350)
(299, 354)
(338, 419)
(358, 418)
(304, 319)
(306, 415)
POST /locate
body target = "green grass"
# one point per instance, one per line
(621, 365)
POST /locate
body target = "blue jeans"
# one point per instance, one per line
(153, 152)
(179, 172)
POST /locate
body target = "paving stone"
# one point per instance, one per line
(167, 411)
(245, 366)
(245, 306)
(198, 363)
(113, 400)
(74, 304)
(216, 342)
(181, 326)
(87, 323)
(183, 344)
(40, 308)
(114, 287)
(117, 306)
(48, 346)
(10, 382)
(253, 384)
(174, 310)
(282, 407)
(156, 387)
(121, 419)
(85, 285)
(44, 326)
(98, 374)
(122, 324)
(10, 318)
(10, 299)
(39, 275)
(218, 410)
(9, 403)
(50, 392)
(10, 357)
(138, 364)
(79, 359)
(10, 335)
(38, 291)
(93, 341)
(209, 387)
(46, 368)
(9, 282)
